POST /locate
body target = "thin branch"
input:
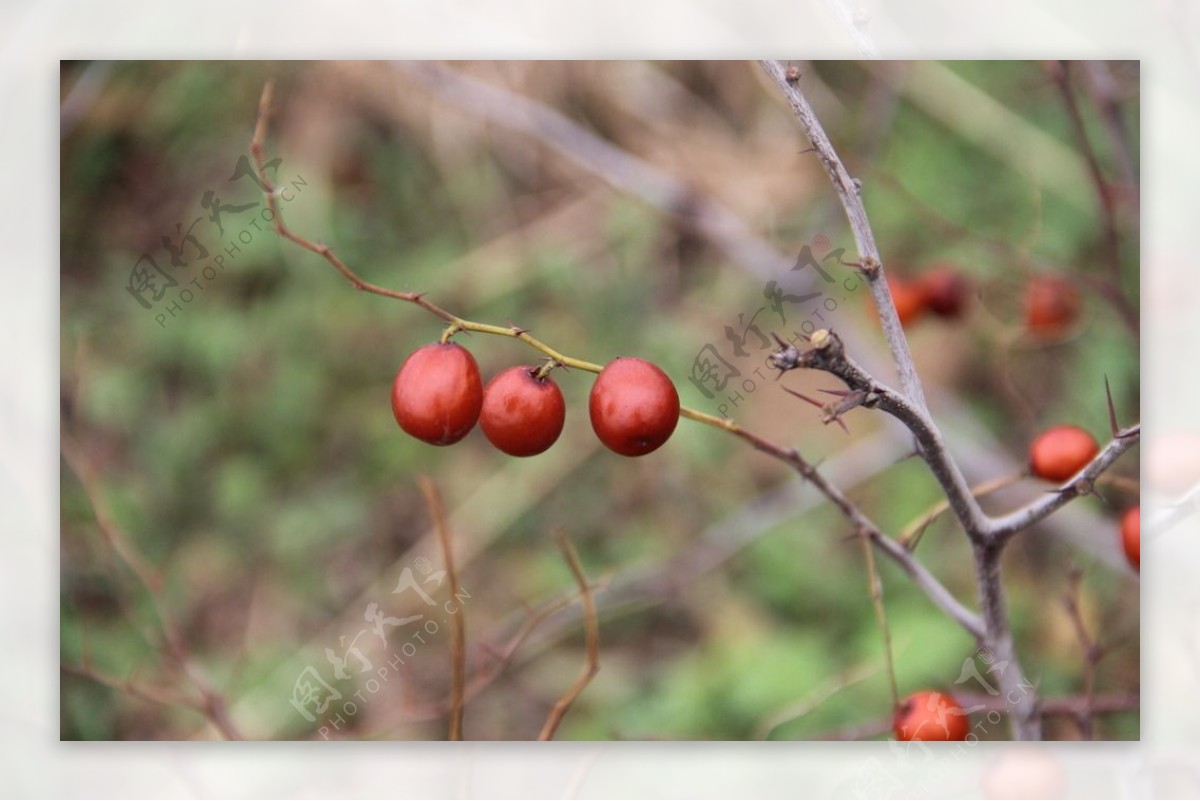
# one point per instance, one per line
(1092, 653)
(163, 696)
(258, 150)
(458, 635)
(211, 703)
(1066, 706)
(619, 168)
(875, 586)
(1103, 89)
(849, 191)
(1108, 291)
(485, 676)
(925, 580)
(812, 701)
(1002, 529)
(1059, 71)
(592, 637)
(911, 536)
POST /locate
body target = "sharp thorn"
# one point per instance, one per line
(1112, 409)
(804, 398)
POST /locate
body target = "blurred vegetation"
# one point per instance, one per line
(247, 447)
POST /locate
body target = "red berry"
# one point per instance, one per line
(930, 716)
(437, 393)
(946, 291)
(1052, 306)
(634, 406)
(1060, 452)
(910, 298)
(1131, 536)
(522, 414)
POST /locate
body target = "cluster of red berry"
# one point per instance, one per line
(1051, 303)
(438, 396)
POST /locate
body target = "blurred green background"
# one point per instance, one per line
(243, 440)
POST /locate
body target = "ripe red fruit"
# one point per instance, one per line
(947, 291)
(1060, 452)
(910, 298)
(1131, 536)
(634, 406)
(437, 393)
(522, 414)
(930, 716)
(1052, 306)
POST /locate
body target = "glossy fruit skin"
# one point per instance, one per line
(947, 291)
(930, 716)
(437, 393)
(910, 297)
(634, 406)
(1052, 305)
(522, 415)
(1131, 536)
(1060, 452)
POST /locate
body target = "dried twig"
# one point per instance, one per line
(875, 587)
(1059, 71)
(1103, 88)
(211, 704)
(619, 168)
(910, 537)
(163, 696)
(458, 633)
(592, 637)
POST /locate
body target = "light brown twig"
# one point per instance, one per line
(458, 627)
(591, 625)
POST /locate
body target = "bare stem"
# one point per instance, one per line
(591, 623)
(458, 633)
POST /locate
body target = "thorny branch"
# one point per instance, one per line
(987, 536)
(848, 190)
